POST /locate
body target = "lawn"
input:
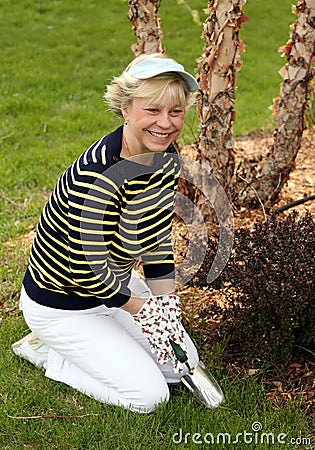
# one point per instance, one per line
(57, 57)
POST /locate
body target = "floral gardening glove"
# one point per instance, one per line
(159, 329)
(171, 307)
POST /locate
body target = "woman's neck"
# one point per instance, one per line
(138, 157)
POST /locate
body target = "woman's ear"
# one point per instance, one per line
(125, 111)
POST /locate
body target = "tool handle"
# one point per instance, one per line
(179, 352)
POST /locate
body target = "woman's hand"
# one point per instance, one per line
(140, 293)
(160, 328)
(171, 306)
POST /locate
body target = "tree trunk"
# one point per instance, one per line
(146, 26)
(263, 184)
(217, 68)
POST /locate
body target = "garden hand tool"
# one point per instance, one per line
(199, 380)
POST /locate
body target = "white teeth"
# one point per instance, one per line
(159, 135)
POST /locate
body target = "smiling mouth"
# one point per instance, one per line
(159, 135)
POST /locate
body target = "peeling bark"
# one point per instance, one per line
(146, 26)
(216, 69)
(263, 184)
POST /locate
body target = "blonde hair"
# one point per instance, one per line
(160, 90)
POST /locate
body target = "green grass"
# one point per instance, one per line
(26, 392)
(57, 56)
(259, 81)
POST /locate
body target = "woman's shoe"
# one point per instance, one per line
(32, 349)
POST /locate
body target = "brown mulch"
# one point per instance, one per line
(297, 378)
(302, 179)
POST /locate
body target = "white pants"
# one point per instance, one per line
(102, 353)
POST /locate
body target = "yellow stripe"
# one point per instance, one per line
(84, 243)
(141, 220)
(90, 231)
(95, 210)
(93, 154)
(58, 242)
(49, 276)
(96, 175)
(150, 197)
(141, 216)
(103, 155)
(156, 186)
(61, 218)
(39, 283)
(124, 251)
(58, 196)
(143, 230)
(88, 220)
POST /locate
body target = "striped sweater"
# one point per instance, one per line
(104, 214)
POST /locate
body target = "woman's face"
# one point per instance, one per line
(151, 129)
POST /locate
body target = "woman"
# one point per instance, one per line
(96, 325)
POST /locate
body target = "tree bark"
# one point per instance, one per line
(146, 26)
(263, 184)
(216, 69)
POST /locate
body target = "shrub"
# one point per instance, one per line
(269, 286)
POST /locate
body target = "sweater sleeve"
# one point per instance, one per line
(94, 209)
(160, 262)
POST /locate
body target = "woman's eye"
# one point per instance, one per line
(152, 110)
(176, 111)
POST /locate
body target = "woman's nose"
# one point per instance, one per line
(164, 120)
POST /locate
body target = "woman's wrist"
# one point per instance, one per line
(133, 305)
(162, 286)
